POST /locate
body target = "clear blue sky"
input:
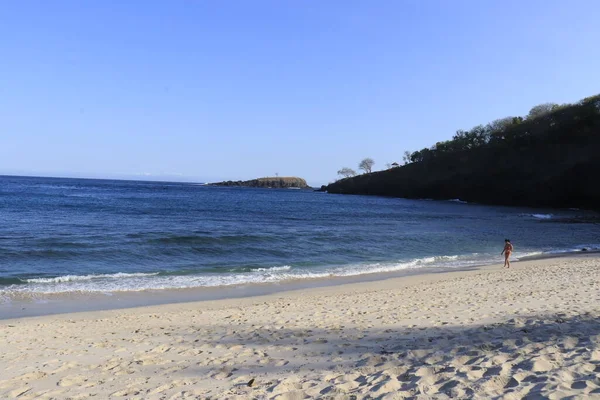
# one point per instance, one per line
(210, 90)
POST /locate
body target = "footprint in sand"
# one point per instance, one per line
(161, 388)
(19, 392)
(448, 386)
(542, 364)
(123, 393)
(385, 387)
(492, 372)
(498, 384)
(64, 367)
(222, 373)
(31, 376)
(72, 380)
(475, 373)
(161, 349)
(293, 395)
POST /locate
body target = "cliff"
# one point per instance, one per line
(550, 160)
(272, 182)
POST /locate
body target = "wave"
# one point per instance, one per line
(458, 201)
(434, 261)
(79, 278)
(141, 281)
(525, 255)
(45, 253)
(5, 281)
(119, 282)
(274, 269)
(588, 218)
(200, 240)
(60, 186)
(542, 216)
(575, 249)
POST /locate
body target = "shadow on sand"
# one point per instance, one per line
(549, 356)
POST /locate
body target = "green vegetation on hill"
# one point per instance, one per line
(551, 157)
(269, 182)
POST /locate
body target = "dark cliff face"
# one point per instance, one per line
(276, 183)
(550, 162)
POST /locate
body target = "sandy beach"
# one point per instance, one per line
(529, 332)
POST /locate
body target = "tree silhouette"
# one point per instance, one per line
(366, 165)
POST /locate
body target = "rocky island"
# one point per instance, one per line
(269, 182)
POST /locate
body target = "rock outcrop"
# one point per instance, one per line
(270, 182)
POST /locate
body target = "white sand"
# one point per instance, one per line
(530, 332)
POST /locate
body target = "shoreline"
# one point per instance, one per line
(77, 302)
(483, 333)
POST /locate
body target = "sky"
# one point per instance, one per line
(195, 90)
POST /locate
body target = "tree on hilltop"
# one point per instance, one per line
(541, 110)
(366, 165)
(346, 172)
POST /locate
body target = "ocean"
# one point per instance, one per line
(65, 236)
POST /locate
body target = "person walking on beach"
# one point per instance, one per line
(508, 249)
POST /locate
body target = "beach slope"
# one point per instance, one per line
(533, 330)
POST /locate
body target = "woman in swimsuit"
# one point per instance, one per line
(508, 249)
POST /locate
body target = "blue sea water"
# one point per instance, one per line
(74, 235)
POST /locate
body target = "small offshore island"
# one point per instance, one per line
(268, 182)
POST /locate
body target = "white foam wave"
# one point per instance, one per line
(273, 269)
(574, 249)
(579, 248)
(152, 281)
(588, 247)
(76, 278)
(441, 261)
(458, 201)
(529, 254)
(542, 216)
